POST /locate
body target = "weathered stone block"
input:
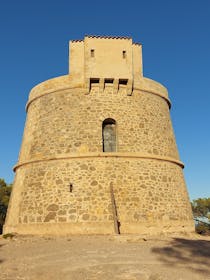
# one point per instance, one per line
(52, 207)
(50, 216)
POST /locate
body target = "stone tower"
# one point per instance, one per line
(98, 152)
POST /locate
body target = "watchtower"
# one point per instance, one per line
(99, 154)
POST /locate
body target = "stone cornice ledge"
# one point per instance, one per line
(155, 93)
(102, 155)
(49, 91)
(58, 84)
(46, 92)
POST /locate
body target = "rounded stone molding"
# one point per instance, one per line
(101, 155)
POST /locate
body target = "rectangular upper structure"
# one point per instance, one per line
(98, 57)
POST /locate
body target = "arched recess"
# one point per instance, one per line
(109, 135)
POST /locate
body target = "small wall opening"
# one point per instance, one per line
(123, 82)
(109, 135)
(124, 54)
(92, 53)
(109, 81)
(93, 82)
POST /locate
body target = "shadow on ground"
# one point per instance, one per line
(192, 254)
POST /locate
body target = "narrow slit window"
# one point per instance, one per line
(124, 54)
(109, 135)
(92, 53)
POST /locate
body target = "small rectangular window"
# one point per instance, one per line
(109, 81)
(124, 54)
(94, 81)
(92, 53)
(123, 82)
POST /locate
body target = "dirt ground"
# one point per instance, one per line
(105, 257)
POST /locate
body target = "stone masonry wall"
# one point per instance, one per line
(147, 192)
(62, 145)
(68, 121)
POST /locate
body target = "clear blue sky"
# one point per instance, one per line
(175, 35)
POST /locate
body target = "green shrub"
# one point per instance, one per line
(8, 235)
(203, 229)
(5, 191)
